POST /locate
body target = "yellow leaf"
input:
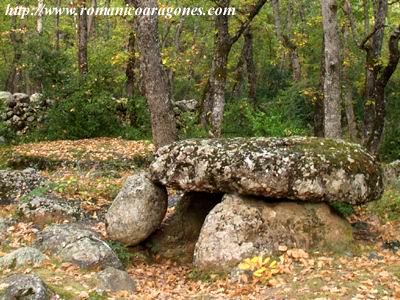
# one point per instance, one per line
(273, 264)
(244, 266)
(259, 272)
(266, 260)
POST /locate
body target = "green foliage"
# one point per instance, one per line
(343, 209)
(388, 207)
(122, 251)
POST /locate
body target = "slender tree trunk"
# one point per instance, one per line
(383, 78)
(319, 103)
(92, 21)
(215, 97)
(332, 121)
(251, 67)
(348, 86)
(39, 21)
(373, 53)
(58, 5)
(130, 67)
(155, 80)
(82, 39)
(15, 78)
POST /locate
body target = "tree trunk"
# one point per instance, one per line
(374, 140)
(82, 39)
(14, 80)
(58, 5)
(39, 21)
(348, 86)
(215, 97)
(92, 21)
(373, 53)
(332, 116)
(251, 67)
(130, 67)
(155, 81)
(319, 103)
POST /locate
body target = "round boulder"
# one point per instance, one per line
(295, 168)
(242, 227)
(115, 280)
(76, 244)
(137, 211)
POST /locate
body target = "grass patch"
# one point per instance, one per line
(388, 207)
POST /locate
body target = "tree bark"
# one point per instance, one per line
(332, 116)
(130, 67)
(251, 67)
(319, 103)
(348, 86)
(155, 80)
(92, 21)
(14, 80)
(215, 97)
(58, 5)
(82, 39)
(373, 53)
(39, 21)
(383, 78)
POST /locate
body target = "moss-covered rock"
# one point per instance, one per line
(296, 168)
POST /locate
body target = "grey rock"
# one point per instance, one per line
(5, 223)
(21, 97)
(79, 245)
(178, 234)
(187, 105)
(47, 210)
(24, 287)
(6, 98)
(296, 168)
(22, 257)
(35, 98)
(242, 227)
(137, 211)
(115, 280)
(15, 184)
(392, 173)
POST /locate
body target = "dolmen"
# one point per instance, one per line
(242, 197)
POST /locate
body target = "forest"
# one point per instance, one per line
(181, 149)
(261, 72)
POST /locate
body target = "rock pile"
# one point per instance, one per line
(21, 110)
(259, 193)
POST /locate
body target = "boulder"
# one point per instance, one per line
(137, 211)
(179, 233)
(36, 98)
(76, 244)
(296, 168)
(22, 257)
(5, 223)
(242, 227)
(47, 210)
(115, 280)
(24, 287)
(21, 97)
(392, 173)
(15, 184)
(6, 98)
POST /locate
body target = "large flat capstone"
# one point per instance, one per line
(296, 168)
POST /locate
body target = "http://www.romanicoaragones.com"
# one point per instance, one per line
(125, 11)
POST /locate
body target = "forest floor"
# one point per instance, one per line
(93, 171)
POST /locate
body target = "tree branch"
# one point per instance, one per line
(253, 12)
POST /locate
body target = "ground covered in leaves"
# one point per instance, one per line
(93, 171)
